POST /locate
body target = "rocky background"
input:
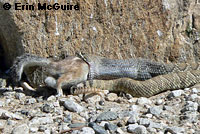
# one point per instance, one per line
(162, 30)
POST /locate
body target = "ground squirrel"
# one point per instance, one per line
(70, 71)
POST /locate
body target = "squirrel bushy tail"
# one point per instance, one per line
(24, 61)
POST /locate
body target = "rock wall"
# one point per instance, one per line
(162, 30)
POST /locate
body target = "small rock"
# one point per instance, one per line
(31, 101)
(4, 114)
(190, 106)
(159, 101)
(111, 97)
(72, 106)
(87, 130)
(39, 99)
(136, 129)
(175, 130)
(51, 98)
(135, 108)
(156, 110)
(9, 94)
(103, 123)
(160, 132)
(2, 82)
(47, 131)
(133, 119)
(107, 116)
(22, 129)
(77, 125)
(194, 91)
(149, 115)
(11, 122)
(19, 95)
(42, 128)
(67, 118)
(98, 129)
(64, 127)
(143, 121)
(2, 103)
(77, 118)
(111, 127)
(168, 108)
(175, 93)
(41, 120)
(119, 131)
(92, 99)
(155, 125)
(129, 96)
(33, 129)
(2, 124)
(102, 103)
(56, 104)
(47, 108)
(190, 116)
(143, 101)
(186, 89)
(193, 97)
(25, 112)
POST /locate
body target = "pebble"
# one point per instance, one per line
(159, 101)
(19, 95)
(72, 106)
(143, 101)
(98, 129)
(87, 130)
(143, 121)
(135, 108)
(47, 108)
(119, 131)
(155, 125)
(51, 98)
(92, 99)
(193, 97)
(190, 106)
(11, 122)
(194, 91)
(136, 129)
(107, 116)
(9, 94)
(111, 127)
(67, 118)
(31, 101)
(4, 114)
(111, 97)
(22, 129)
(156, 110)
(175, 93)
(175, 130)
(2, 103)
(33, 129)
(168, 108)
(77, 125)
(41, 120)
(133, 119)
(149, 115)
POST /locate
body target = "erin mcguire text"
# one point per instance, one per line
(45, 6)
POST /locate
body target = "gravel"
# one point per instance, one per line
(171, 112)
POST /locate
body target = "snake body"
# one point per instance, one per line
(158, 77)
(148, 87)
